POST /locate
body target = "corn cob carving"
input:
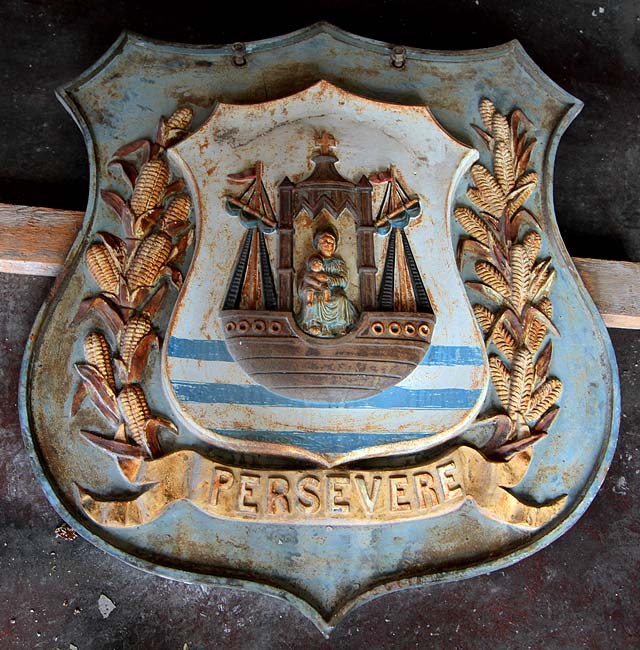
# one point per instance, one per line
(176, 215)
(151, 184)
(150, 258)
(514, 282)
(131, 335)
(97, 353)
(129, 274)
(173, 129)
(103, 268)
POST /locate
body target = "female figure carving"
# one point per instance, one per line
(325, 310)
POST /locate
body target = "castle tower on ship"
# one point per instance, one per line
(334, 349)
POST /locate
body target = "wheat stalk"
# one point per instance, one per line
(517, 282)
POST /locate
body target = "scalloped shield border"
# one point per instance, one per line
(360, 48)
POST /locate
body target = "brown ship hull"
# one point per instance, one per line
(381, 350)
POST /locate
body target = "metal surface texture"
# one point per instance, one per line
(251, 493)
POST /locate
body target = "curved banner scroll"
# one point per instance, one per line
(324, 496)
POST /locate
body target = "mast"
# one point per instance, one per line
(401, 288)
(252, 285)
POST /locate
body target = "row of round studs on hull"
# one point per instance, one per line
(257, 327)
(396, 329)
(377, 328)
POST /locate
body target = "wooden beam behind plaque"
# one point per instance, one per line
(35, 241)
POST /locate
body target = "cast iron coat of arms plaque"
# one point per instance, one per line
(319, 335)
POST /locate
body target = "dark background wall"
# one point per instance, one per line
(581, 592)
(590, 48)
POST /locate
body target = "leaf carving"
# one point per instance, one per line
(490, 275)
(487, 110)
(520, 276)
(542, 279)
(504, 340)
(532, 243)
(489, 188)
(543, 424)
(484, 316)
(542, 364)
(132, 147)
(544, 398)
(113, 446)
(545, 307)
(518, 196)
(524, 158)
(99, 392)
(472, 247)
(114, 201)
(501, 379)
(138, 361)
(535, 331)
(503, 164)
(78, 398)
(500, 128)
(473, 224)
(486, 291)
(521, 381)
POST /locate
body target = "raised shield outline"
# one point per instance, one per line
(556, 472)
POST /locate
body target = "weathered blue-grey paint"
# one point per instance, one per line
(325, 571)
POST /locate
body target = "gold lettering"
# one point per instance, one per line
(368, 497)
(248, 485)
(426, 490)
(222, 480)
(399, 497)
(308, 495)
(450, 484)
(277, 495)
(337, 500)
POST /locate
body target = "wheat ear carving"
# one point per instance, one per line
(514, 282)
(132, 273)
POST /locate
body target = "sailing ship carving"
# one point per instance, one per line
(334, 347)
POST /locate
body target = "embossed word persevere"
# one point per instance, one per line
(316, 496)
(351, 494)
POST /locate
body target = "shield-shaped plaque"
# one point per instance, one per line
(319, 334)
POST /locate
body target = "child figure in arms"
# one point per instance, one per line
(314, 282)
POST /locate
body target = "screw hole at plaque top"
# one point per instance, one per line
(239, 54)
(243, 326)
(230, 326)
(395, 329)
(398, 56)
(275, 327)
(424, 330)
(259, 326)
(377, 328)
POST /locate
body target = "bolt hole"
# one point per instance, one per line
(398, 56)
(239, 54)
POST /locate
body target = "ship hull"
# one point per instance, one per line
(381, 350)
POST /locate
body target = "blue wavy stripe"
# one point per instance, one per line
(198, 349)
(392, 398)
(437, 355)
(320, 441)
